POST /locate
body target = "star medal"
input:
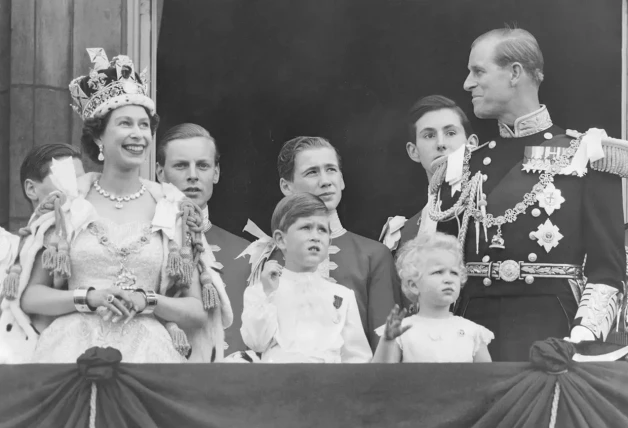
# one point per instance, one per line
(547, 235)
(550, 199)
(337, 305)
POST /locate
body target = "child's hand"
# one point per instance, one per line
(270, 276)
(393, 324)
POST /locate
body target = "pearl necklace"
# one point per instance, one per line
(118, 199)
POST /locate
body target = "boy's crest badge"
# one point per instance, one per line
(337, 302)
(337, 305)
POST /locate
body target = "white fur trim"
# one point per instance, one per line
(124, 100)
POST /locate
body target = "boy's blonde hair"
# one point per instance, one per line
(410, 259)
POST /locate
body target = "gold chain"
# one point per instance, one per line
(530, 198)
(470, 186)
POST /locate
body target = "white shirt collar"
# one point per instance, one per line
(335, 225)
(300, 277)
(529, 124)
(206, 223)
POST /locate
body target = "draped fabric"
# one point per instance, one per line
(589, 395)
(315, 395)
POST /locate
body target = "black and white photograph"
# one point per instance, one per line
(300, 214)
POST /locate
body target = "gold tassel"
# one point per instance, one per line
(49, 257)
(63, 267)
(12, 282)
(179, 339)
(438, 177)
(187, 266)
(209, 293)
(174, 260)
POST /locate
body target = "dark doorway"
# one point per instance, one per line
(256, 73)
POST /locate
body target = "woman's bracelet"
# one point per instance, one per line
(80, 299)
(151, 300)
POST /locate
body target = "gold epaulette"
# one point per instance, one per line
(615, 160)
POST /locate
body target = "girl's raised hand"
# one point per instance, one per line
(394, 329)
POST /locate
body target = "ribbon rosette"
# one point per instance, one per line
(97, 364)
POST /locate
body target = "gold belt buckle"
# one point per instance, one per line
(509, 270)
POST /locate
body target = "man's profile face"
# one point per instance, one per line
(190, 165)
(37, 191)
(489, 84)
(317, 171)
(438, 133)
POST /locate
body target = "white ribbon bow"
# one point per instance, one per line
(258, 251)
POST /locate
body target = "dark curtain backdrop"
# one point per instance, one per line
(256, 73)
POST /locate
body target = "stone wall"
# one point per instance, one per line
(42, 47)
(5, 83)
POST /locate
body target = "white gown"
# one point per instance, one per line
(441, 340)
(144, 339)
(306, 320)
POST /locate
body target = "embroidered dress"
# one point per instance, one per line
(95, 256)
(441, 340)
(306, 320)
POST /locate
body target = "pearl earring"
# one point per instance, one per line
(101, 157)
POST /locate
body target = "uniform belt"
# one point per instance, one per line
(511, 270)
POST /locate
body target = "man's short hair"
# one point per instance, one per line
(36, 164)
(183, 131)
(290, 150)
(517, 45)
(434, 103)
(296, 206)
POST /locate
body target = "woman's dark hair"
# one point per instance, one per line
(94, 127)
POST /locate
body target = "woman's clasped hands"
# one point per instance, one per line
(116, 304)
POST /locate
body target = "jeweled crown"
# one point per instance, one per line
(109, 85)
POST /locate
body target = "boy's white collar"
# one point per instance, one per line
(335, 225)
(300, 277)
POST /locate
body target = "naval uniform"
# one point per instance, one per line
(527, 282)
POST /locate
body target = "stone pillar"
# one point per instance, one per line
(47, 49)
(22, 93)
(5, 83)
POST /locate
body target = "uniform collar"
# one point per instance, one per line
(335, 225)
(206, 223)
(529, 124)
